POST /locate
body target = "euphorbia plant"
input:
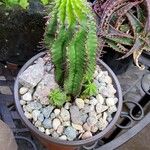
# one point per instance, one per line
(71, 39)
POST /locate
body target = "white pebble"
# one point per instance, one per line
(63, 137)
(27, 97)
(22, 102)
(47, 132)
(110, 101)
(86, 135)
(60, 129)
(41, 129)
(23, 90)
(80, 103)
(77, 127)
(56, 123)
(100, 99)
(28, 115)
(57, 112)
(35, 114)
(86, 127)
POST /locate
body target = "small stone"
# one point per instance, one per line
(27, 97)
(71, 133)
(41, 129)
(56, 123)
(52, 116)
(28, 115)
(47, 132)
(57, 112)
(38, 123)
(60, 130)
(55, 135)
(104, 108)
(75, 115)
(41, 117)
(67, 105)
(35, 114)
(109, 118)
(23, 90)
(77, 127)
(47, 123)
(86, 127)
(94, 129)
(66, 124)
(28, 108)
(86, 135)
(65, 115)
(93, 101)
(63, 137)
(84, 117)
(47, 111)
(105, 115)
(92, 120)
(22, 102)
(87, 109)
(110, 101)
(80, 103)
(95, 74)
(102, 124)
(108, 80)
(100, 99)
(87, 101)
(99, 116)
(99, 108)
(112, 109)
(92, 113)
(34, 105)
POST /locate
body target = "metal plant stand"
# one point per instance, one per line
(134, 117)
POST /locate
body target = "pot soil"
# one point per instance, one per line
(75, 124)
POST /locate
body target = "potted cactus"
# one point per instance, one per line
(124, 27)
(67, 96)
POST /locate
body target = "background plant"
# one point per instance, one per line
(124, 26)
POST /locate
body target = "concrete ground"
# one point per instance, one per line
(140, 142)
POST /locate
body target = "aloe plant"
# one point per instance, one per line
(71, 39)
(124, 26)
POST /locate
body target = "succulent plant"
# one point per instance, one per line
(124, 26)
(71, 38)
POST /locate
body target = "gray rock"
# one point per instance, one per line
(55, 135)
(86, 135)
(47, 111)
(32, 75)
(56, 123)
(84, 117)
(86, 127)
(35, 114)
(43, 88)
(75, 115)
(71, 133)
(27, 97)
(52, 116)
(92, 120)
(101, 108)
(23, 90)
(41, 117)
(87, 109)
(34, 105)
(47, 123)
(65, 115)
(112, 109)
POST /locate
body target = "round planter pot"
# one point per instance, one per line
(55, 144)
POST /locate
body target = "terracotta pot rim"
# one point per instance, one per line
(57, 141)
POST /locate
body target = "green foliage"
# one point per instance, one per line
(71, 38)
(124, 27)
(57, 97)
(90, 89)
